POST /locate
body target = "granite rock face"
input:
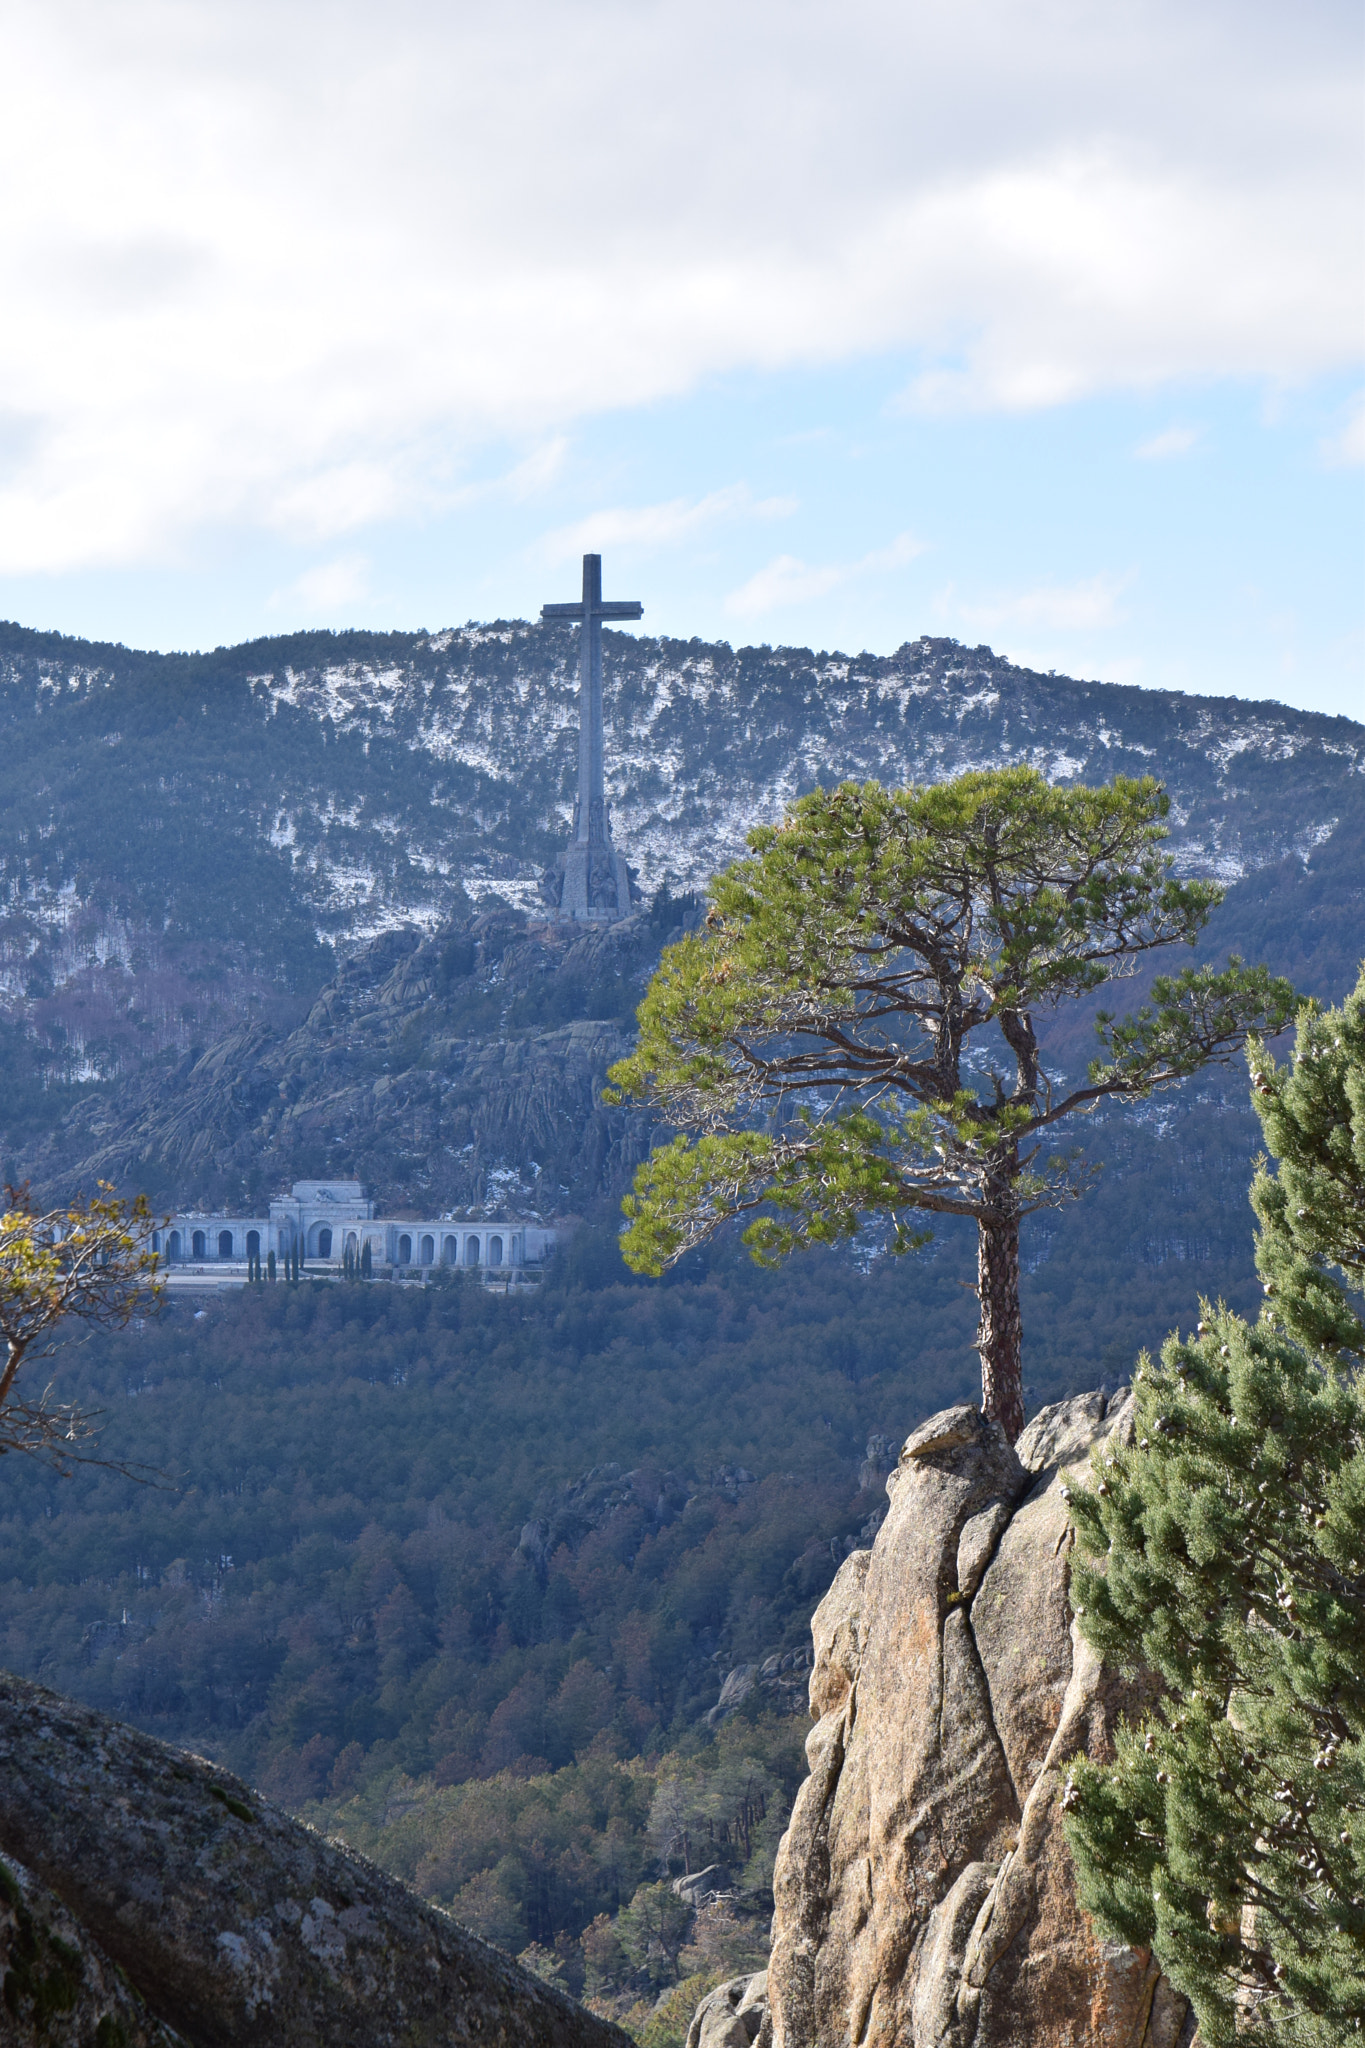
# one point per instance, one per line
(147, 1899)
(923, 1890)
(464, 1068)
(731, 2015)
(58, 1989)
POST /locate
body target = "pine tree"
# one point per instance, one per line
(856, 1029)
(366, 1261)
(1229, 1833)
(270, 1267)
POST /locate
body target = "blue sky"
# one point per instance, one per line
(1039, 327)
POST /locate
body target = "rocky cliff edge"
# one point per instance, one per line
(923, 1892)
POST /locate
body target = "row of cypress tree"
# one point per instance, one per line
(353, 1267)
(258, 1274)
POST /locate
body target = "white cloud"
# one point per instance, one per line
(1171, 442)
(294, 266)
(1346, 449)
(1058, 607)
(653, 526)
(787, 581)
(319, 590)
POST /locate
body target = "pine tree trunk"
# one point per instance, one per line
(999, 1338)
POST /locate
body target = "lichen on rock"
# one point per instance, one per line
(57, 1987)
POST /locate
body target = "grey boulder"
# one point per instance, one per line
(232, 1925)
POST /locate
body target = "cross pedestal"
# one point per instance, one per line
(591, 882)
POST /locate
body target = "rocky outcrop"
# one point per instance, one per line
(732, 2015)
(780, 1679)
(459, 1070)
(146, 1898)
(923, 1890)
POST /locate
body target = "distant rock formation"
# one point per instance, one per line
(463, 1070)
(923, 1891)
(732, 2015)
(147, 1900)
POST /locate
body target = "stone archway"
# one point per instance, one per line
(450, 1251)
(495, 1251)
(405, 1250)
(225, 1244)
(199, 1248)
(427, 1251)
(471, 1251)
(173, 1245)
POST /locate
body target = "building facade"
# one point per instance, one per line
(327, 1219)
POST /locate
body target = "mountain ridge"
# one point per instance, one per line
(196, 848)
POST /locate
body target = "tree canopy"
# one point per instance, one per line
(854, 1030)
(1227, 1555)
(90, 1262)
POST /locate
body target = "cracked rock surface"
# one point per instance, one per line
(174, 1904)
(923, 1891)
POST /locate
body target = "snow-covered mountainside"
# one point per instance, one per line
(189, 843)
(705, 741)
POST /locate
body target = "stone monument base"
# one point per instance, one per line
(590, 884)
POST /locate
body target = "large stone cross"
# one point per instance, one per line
(592, 884)
(590, 815)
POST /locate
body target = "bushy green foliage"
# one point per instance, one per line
(517, 1857)
(817, 1044)
(1229, 1559)
(1311, 1208)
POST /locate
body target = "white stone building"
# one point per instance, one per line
(326, 1219)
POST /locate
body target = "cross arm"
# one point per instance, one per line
(623, 608)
